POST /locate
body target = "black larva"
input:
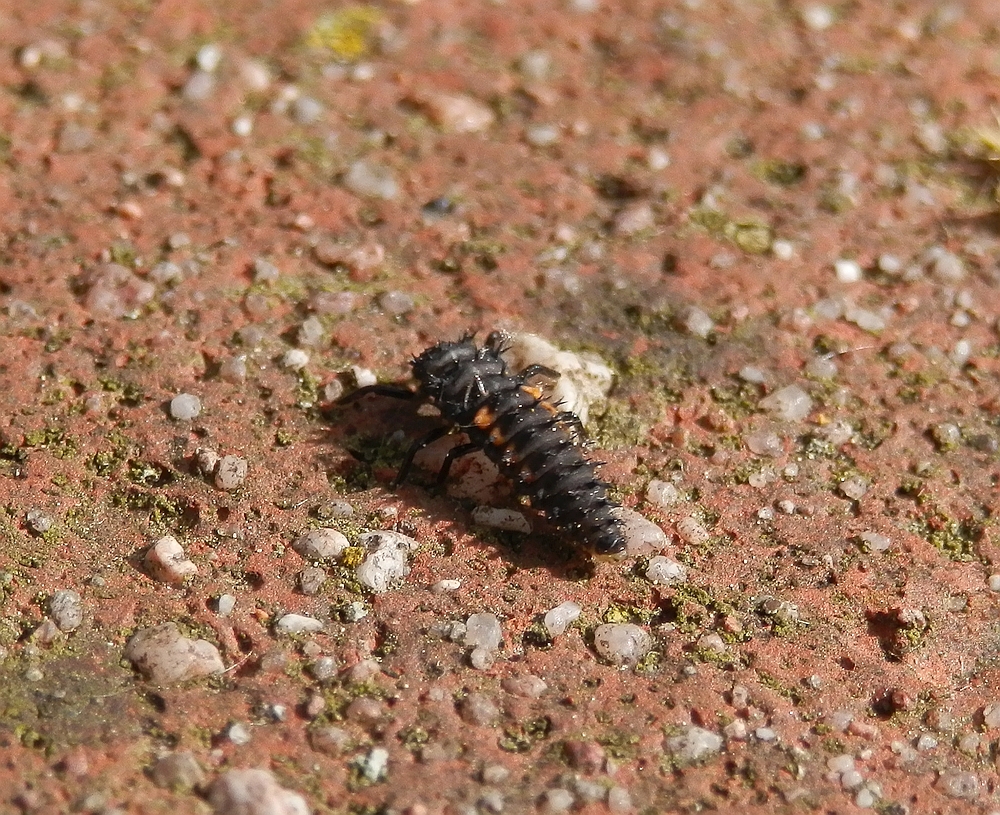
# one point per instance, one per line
(530, 440)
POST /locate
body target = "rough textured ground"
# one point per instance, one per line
(190, 191)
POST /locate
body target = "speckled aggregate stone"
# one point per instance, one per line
(66, 609)
(253, 792)
(165, 656)
(622, 643)
(231, 472)
(323, 543)
(167, 562)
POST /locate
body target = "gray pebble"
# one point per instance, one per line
(695, 743)
(297, 624)
(323, 543)
(198, 87)
(264, 271)
(224, 604)
(371, 180)
(185, 406)
(330, 740)
(483, 631)
(479, 709)
(395, 302)
(177, 771)
(306, 110)
(38, 521)
(311, 580)
(166, 656)
(66, 609)
(324, 668)
(622, 643)
(231, 472)
(238, 734)
(253, 792)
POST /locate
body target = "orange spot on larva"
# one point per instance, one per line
(484, 418)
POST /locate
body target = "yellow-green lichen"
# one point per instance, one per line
(348, 33)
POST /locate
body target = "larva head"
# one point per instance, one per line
(440, 363)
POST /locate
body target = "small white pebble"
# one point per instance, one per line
(311, 332)
(445, 586)
(993, 581)
(840, 764)
(817, 17)
(889, 264)
(509, 520)
(238, 734)
(961, 353)
(458, 113)
(396, 303)
(198, 87)
(956, 784)
(306, 110)
(697, 322)
(166, 561)
(991, 715)
(623, 644)
(38, 521)
(821, 368)
(691, 531)
(541, 135)
(851, 780)
(712, 642)
(875, 542)
(225, 604)
(185, 406)
(695, 743)
(637, 218)
(642, 536)
(297, 624)
(481, 659)
(363, 377)
(231, 472)
(527, 686)
(66, 609)
(242, 126)
(764, 443)
(753, 375)
(479, 709)
(657, 159)
(663, 571)
(384, 567)
(619, 800)
(848, 271)
(295, 359)
(483, 631)
(208, 57)
(866, 319)
(782, 249)
(323, 543)
(791, 403)
(558, 619)
(854, 488)
(370, 180)
(662, 493)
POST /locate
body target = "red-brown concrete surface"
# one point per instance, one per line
(190, 191)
